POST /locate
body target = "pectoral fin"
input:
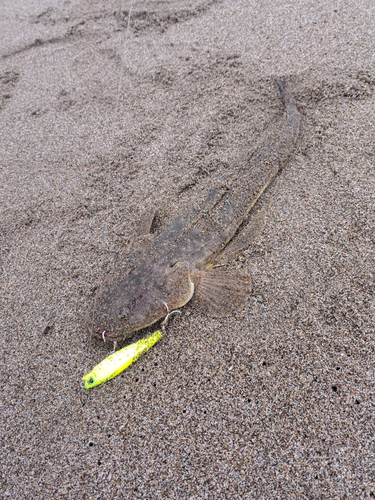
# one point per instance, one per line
(220, 291)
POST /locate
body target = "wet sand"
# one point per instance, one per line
(102, 119)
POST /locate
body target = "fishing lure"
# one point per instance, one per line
(117, 362)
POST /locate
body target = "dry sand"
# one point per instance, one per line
(99, 122)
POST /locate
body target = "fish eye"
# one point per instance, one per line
(90, 381)
(124, 313)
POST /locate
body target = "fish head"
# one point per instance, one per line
(144, 297)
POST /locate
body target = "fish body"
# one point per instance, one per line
(183, 260)
(117, 362)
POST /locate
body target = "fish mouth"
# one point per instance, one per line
(102, 335)
(105, 335)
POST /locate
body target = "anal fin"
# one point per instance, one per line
(251, 230)
(220, 291)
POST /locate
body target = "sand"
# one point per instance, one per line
(103, 119)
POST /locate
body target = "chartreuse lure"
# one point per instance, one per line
(119, 361)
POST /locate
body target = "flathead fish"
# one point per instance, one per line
(186, 259)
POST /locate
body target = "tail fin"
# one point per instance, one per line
(285, 92)
(292, 114)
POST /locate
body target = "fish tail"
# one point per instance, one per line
(286, 94)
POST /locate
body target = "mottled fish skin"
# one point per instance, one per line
(168, 271)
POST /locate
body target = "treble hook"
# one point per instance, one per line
(165, 321)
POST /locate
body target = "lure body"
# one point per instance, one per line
(119, 361)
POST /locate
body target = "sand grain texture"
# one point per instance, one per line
(100, 123)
